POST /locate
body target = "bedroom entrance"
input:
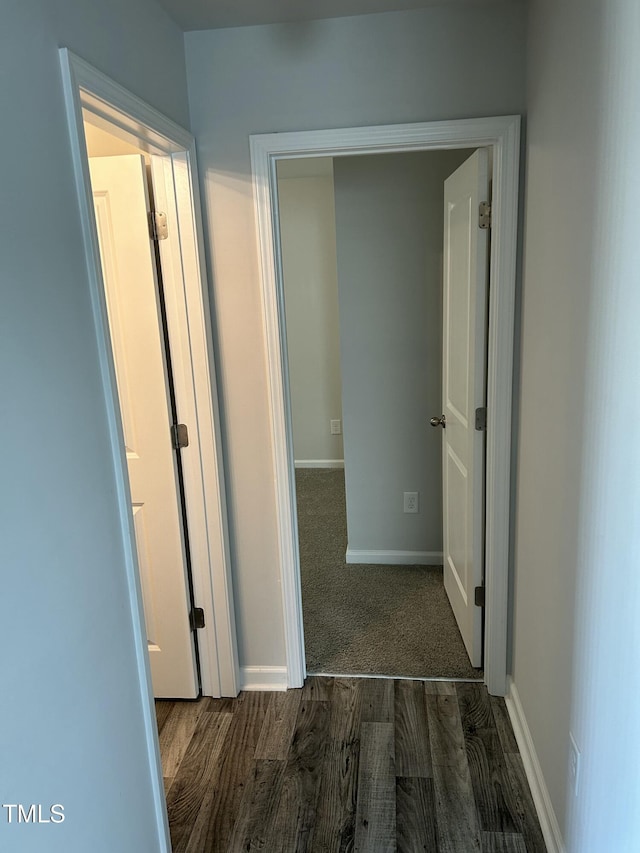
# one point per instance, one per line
(500, 137)
(362, 259)
(137, 193)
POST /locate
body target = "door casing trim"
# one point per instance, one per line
(502, 135)
(189, 318)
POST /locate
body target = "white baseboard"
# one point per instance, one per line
(319, 463)
(263, 678)
(539, 791)
(395, 558)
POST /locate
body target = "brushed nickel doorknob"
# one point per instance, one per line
(441, 421)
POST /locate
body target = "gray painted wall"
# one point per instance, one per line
(308, 239)
(70, 702)
(389, 225)
(376, 69)
(578, 497)
(71, 729)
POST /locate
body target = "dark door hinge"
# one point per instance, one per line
(484, 215)
(479, 596)
(196, 618)
(158, 228)
(179, 436)
(481, 418)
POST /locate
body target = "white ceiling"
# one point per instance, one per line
(215, 14)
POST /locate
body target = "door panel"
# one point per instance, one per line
(458, 306)
(121, 205)
(463, 383)
(456, 548)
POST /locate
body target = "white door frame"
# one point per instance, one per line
(502, 135)
(189, 326)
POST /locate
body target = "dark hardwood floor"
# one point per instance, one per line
(347, 764)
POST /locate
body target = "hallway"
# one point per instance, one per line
(347, 765)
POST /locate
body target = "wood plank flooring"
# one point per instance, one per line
(351, 765)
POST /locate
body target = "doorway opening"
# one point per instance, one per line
(146, 136)
(500, 138)
(362, 261)
(122, 183)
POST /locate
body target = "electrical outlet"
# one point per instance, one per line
(411, 501)
(574, 764)
(336, 427)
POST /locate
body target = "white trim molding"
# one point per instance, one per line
(394, 558)
(502, 135)
(88, 91)
(539, 791)
(319, 463)
(263, 678)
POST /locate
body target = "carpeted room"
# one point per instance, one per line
(368, 619)
(364, 343)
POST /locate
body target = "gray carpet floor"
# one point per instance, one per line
(358, 619)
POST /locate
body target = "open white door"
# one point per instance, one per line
(463, 391)
(121, 206)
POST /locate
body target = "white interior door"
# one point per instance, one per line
(121, 205)
(463, 391)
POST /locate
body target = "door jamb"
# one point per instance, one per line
(502, 135)
(189, 317)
